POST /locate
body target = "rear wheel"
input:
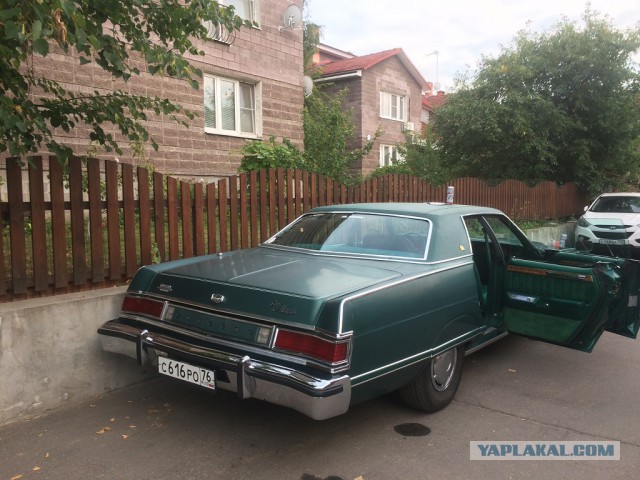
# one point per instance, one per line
(436, 384)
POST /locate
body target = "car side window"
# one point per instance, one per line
(512, 242)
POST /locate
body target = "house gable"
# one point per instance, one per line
(387, 76)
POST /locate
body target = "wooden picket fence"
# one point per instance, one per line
(95, 223)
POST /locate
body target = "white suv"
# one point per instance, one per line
(611, 224)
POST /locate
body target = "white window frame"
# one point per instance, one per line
(252, 5)
(390, 155)
(214, 83)
(393, 106)
(219, 33)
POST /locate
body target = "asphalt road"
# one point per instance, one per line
(514, 390)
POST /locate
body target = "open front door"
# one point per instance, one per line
(570, 303)
(567, 298)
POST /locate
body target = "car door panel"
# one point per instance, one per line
(624, 311)
(558, 304)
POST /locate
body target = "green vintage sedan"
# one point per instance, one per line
(349, 302)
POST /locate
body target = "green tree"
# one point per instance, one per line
(423, 159)
(329, 141)
(113, 34)
(310, 39)
(562, 105)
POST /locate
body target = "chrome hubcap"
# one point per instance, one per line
(442, 368)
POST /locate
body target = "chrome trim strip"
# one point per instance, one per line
(362, 256)
(388, 285)
(488, 342)
(418, 357)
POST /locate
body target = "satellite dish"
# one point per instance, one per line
(307, 85)
(292, 18)
(436, 86)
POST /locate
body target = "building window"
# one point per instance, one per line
(393, 106)
(389, 155)
(245, 9)
(229, 107)
(425, 116)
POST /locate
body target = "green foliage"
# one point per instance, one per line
(111, 34)
(328, 142)
(400, 168)
(310, 38)
(258, 155)
(562, 105)
(423, 159)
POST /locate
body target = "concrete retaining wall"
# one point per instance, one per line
(50, 352)
(553, 232)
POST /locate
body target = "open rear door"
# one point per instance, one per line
(570, 304)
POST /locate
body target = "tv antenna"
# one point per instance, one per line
(292, 18)
(436, 86)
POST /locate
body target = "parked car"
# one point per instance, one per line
(349, 302)
(611, 225)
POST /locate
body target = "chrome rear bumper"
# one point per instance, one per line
(249, 378)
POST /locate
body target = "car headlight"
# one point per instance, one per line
(583, 223)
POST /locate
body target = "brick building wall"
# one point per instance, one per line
(363, 99)
(267, 57)
(388, 76)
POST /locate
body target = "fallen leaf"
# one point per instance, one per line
(17, 477)
(47, 455)
(35, 469)
(112, 419)
(124, 437)
(132, 426)
(512, 370)
(359, 478)
(101, 431)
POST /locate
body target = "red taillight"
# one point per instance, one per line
(312, 346)
(144, 306)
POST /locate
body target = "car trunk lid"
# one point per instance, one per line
(273, 287)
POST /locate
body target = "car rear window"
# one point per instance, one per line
(359, 234)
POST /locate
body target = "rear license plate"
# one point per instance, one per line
(188, 373)
(606, 241)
